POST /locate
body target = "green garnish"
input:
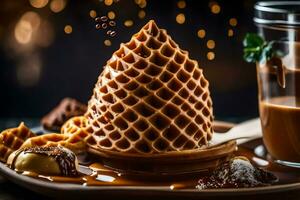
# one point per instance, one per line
(256, 49)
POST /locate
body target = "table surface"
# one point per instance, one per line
(11, 191)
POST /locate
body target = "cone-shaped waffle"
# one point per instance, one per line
(75, 136)
(151, 98)
(12, 139)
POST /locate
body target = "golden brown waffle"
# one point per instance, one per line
(151, 98)
(12, 139)
(78, 129)
(74, 136)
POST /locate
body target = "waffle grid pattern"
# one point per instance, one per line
(151, 98)
(75, 134)
(12, 139)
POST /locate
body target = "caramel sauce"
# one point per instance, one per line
(96, 174)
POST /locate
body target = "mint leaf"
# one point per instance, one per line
(253, 40)
(256, 49)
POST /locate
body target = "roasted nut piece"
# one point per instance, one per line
(66, 109)
(45, 161)
(12, 139)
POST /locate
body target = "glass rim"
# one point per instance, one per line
(266, 6)
(281, 16)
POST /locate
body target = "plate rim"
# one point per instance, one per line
(51, 188)
(33, 184)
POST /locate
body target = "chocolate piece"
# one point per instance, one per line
(45, 161)
(112, 23)
(104, 25)
(104, 18)
(98, 26)
(97, 19)
(66, 109)
(237, 173)
(112, 33)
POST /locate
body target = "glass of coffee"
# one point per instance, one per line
(279, 79)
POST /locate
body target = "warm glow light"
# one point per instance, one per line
(111, 15)
(57, 5)
(107, 42)
(143, 4)
(216, 9)
(29, 22)
(68, 29)
(210, 55)
(29, 71)
(230, 33)
(128, 23)
(38, 3)
(201, 33)
(210, 44)
(181, 4)
(108, 2)
(233, 21)
(45, 34)
(23, 32)
(93, 14)
(180, 18)
(142, 14)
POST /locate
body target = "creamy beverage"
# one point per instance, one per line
(280, 117)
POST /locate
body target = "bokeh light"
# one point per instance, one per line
(181, 4)
(210, 44)
(201, 33)
(29, 71)
(128, 23)
(57, 5)
(230, 33)
(142, 3)
(233, 22)
(93, 14)
(108, 2)
(68, 29)
(107, 43)
(180, 18)
(38, 3)
(142, 14)
(210, 55)
(25, 27)
(215, 8)
(111, 15)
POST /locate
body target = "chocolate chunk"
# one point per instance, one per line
(237, 173)
(97, 19)
(112, 33)
(98, 26)
(112, 23)
(104, 25)
(104, 18)
(66, 109)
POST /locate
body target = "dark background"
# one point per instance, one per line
(35, 76)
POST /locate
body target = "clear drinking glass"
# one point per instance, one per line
(279, 80)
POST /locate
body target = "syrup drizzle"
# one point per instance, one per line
(96, 174)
